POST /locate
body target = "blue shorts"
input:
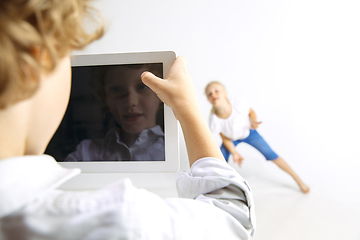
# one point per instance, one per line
(254, 139)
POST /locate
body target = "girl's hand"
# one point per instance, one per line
(238, 158)
(254, 124)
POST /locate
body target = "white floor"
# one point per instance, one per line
(330, 211)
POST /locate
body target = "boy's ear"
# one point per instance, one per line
(31, 69)
(36, 52)
(40, 54)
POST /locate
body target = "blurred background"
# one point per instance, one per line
(297, 64)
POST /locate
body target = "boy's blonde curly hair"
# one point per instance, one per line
(30, 29)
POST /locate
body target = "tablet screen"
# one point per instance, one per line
(112, 116)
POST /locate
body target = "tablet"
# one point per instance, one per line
(115, 123)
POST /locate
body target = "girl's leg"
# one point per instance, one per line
(260, 144)
(280, 162)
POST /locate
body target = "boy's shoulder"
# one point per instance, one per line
(33, 175)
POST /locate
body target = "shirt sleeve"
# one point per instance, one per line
(77, 154)
(215, 182)
(242, 106)
(213, 125)
(86, 150)
(215, 203)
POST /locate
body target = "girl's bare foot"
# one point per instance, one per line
(284, 166)
(304, 188)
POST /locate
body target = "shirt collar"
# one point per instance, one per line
(157, 131)
(26, 178)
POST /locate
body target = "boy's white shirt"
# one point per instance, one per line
(32, 208)
(149, 146)
(237, 125)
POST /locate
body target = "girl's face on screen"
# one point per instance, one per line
(133, 105)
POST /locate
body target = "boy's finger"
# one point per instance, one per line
(151, 81)
(178, 65)
(181, 61)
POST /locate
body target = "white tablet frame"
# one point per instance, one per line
(171, 126)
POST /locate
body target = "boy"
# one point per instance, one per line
(36, 37)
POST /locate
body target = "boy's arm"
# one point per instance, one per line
(177, 92)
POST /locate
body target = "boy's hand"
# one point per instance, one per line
(176, 90)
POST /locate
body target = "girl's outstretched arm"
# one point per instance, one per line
(177, 92)
(229, 145)
(253, 119)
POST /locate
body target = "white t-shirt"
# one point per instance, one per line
(237, 125)
(149, 146)
(215, 203)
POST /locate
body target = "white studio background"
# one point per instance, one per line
(296, 62)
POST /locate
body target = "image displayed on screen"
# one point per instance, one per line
(112, 116)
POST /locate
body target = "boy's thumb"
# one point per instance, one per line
(151, 81)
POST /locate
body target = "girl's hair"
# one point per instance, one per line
(214, 82)
(33, 29)
(210, 83)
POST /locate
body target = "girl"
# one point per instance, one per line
(236, 122)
